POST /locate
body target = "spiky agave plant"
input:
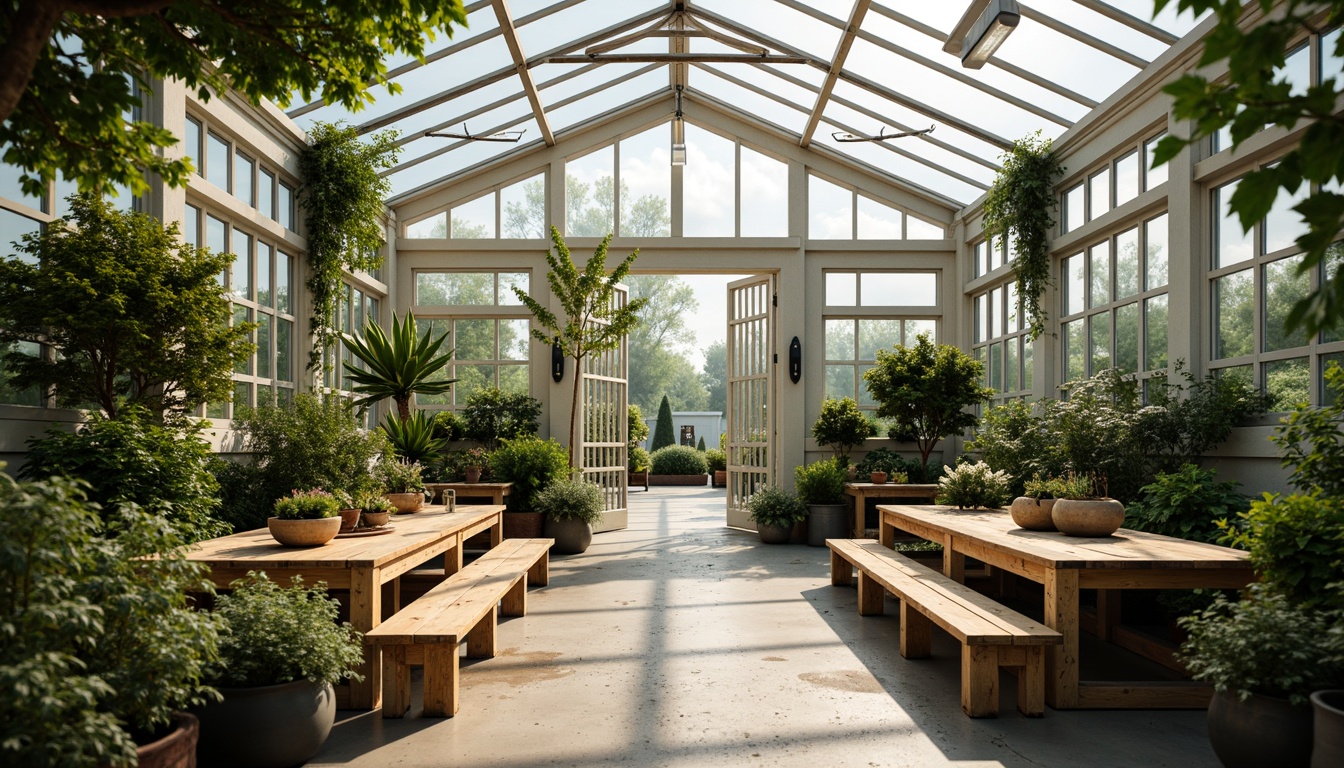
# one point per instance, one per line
(397, 367)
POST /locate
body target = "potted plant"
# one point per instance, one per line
(349, 510)
(306, 519)
(402, 483)
(841, 427)
(532, 465)
(102, 646)
(639, 466)
(375, 510)
(1083, 509)
(717, 463)
(280, 651)
(821, 486)
(1264, 655)
(775, 512)
(973, 486)
(570, 508)
(474, 462)
(678, 465)
(1032, 510)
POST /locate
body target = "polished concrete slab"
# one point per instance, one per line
(679, 642)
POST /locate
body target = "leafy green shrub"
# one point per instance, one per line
(413, 439)
(841, 427)
(570, 500)
(307, 505)
(775, 506)
(273, 634)
(375, 502)
(969, 486)
(1186, 504)
(678, 460)
(1295, 542)
(1185, 421)
(449, 427)
(821, 482)
(400, 476)
(637, 427)
(894, 464)
(1017, 438)
(1268, 644)
(1046, 488)
(1310, 441)
(492, 415)
(163, 467)
(716, 460)
(310, 442)
(98, 634)
(452, 468)
(531, 464)
(639, 459)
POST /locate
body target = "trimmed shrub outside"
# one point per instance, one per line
(678, 465)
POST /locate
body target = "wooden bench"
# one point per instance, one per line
(991, 635)
(466, 605)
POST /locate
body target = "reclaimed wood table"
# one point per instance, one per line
(495, 492)
(361, 564)
(861, 492)
(1066, 564)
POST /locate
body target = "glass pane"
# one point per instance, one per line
(1099, 194)
(1297, 70)
(1155, 333)
(243, 185)
(1288, 383)
(1152, 177)
(192, 144)
(1232, 245)
(1284, 287)
(215, 235)
(507, 282)
(840, 381)
(1027, 370)
(919, 229)
(264, 274)
(996, 250)
(1073, 209)
(475, 340)
(191, 226)
(996, 313)
(218, 162)
(282, 276)
(1010, 365)
(266, 194)
(1334, 257)
(513, 379)
(1127, 263)
(522, 208)
(455, 288)
(284, 338)
(840, 340)
(242, 395)
(1075, 350)
(1126, 178)
(241, 280)
(12, 229)
(898, 289)
(996, 367)
(1099, 330)
(470, 380)
(842, 289)
(708, 185)
(285, 207)
(1011, 306)
(1332, 66)
(513, 339)
(864, 397)
(474, 220)
(588, 195)
(1283, 225)
(981, 321)
(646, 184)
(11, 394)
(1234, 303)
(1155, 235)
(433, 227)
(1127, 338)
(830, 211)
(1099, 261)
(765, 195)
(877, 334)
(1075, 296)
(264, 345)
(1324, 392)
(243, 315)
(980, 259)
(916, 328)
(878, 221)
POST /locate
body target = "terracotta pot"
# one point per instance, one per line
(878, 478)
(349, 519)
(720, 477)
(304, 533)
(1328, 743)
(1088, 517)
(572, 537)
(272, 726)
(177, 749)
(473, 474)
(852, 471)
(1261, 731)
(375, 519)
(775, 534)
(406, 502)
(1033, 514)
(522, 525)
(678, 479)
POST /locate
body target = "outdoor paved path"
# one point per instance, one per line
(679, 642)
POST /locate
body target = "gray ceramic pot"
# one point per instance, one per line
(775, 534)
(1329, 740)
(274, 726)
(572, 537)
(1260, 731)
(827, 521)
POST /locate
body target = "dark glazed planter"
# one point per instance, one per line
(1260, 731)
(1328, 749)
(572, 537)
(177, 749)
(827, 521)
(274, 726)
(522, 525)
(775, 534)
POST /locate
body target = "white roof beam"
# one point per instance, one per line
(520, 64)
(1133, 22)
(1046, 20)
(842, 47)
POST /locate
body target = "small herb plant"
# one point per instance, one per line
(570, 500)
(476, 457)
(841, 427)
(821, 482)
(969, 486)
(1082, 487)
(374, 502)
(307, 505)
(273, 634)
(775, 507)
(1046, 488)
(678, 460)
(400, 476)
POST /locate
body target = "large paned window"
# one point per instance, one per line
(867, 311)
(13, 227)
(355, 309)
(488, 331)
(219, 160)
(1113, 309)
(1112, 185)
(515, 210)
(1000, 342)
(836, 212)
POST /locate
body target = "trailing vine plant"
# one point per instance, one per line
(1020, 205)
(342, 198)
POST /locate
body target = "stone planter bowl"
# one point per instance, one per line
(1033, 514)
(304, 533)
(375, 519)
(406, 502)
(775, 534)
(1088, 517)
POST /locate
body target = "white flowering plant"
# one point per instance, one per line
(969, 486)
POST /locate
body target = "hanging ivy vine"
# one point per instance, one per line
(342, 197)
(1020, 205)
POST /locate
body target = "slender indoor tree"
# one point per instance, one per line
(593, 320)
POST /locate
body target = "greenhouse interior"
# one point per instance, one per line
(921, 379)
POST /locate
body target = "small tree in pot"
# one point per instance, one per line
(841, 427)
(821, 485)
(570, 507)
(532, 465)
(775, 511)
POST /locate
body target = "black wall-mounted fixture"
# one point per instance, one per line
(557, 362)
(795, 360)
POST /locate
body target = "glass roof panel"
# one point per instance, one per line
(755, 106)
(577, 22)
(466, 156)
(607, 99)
(769, 18)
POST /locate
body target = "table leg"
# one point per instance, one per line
(886, 532)
(954, 563)
(858, 515)
(1061, 661)
(452, 559)
(1108, 612)
(497, 532)
(366, 612)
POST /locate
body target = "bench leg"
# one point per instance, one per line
(515, 600)
(441, 680)
(979, 681)
(1031, 683)
(916, 633)
(481, 638)
(539, 575)
(872, 596)
(842, 573)
(396, 681)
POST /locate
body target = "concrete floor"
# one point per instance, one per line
(679, 642)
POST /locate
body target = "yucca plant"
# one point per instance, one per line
(413, 439)
(397, 367)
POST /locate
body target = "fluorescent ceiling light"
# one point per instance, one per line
(998, 19)
(678, 134)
